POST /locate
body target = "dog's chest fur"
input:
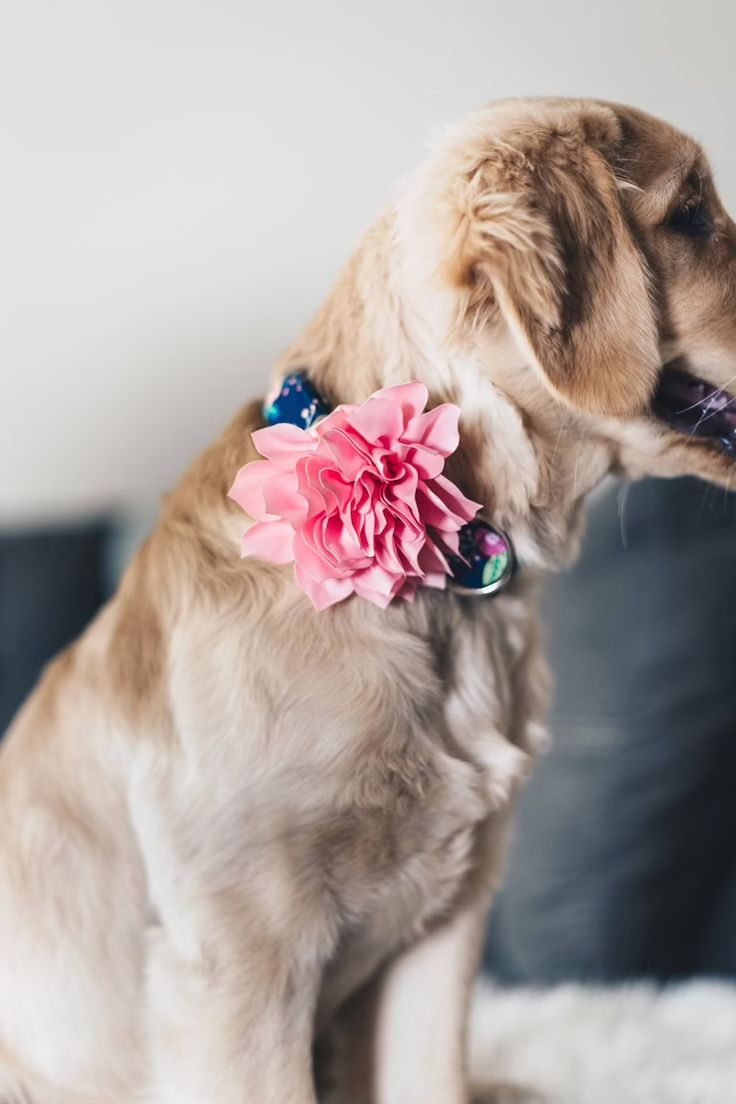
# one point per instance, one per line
(465, 747)
(358, 802)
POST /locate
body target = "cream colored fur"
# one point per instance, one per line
(231, 828)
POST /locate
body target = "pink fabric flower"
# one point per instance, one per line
(358, 502)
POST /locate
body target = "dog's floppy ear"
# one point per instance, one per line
(545, 238)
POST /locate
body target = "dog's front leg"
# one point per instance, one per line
(231, 1026)
(235, 959)
(406, 1033)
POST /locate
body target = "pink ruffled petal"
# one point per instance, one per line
(411, 397)
(455, 500)
(339, 417)
(324, 593)
(437, 579)
(247, 489)
(433, 511)
(269, 540)
(312, 559)
(387, 555)
(284, 444)
(377, 586)
(378, 421)
(443, 506)
(310, 471)
(340, 540)
(336, 487)
(431, 561)
(378, 581)
(450, 541)
(350, 453)
(281, 497)
(428, 463)
(437, 429)
(405, 488)
(409, 548)
(368, 532)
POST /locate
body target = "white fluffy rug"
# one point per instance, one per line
(635, 1045)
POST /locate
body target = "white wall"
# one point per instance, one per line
(180, 180)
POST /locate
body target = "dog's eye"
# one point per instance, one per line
(689, 217)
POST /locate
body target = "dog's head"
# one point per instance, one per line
(591, 265)
(565, 271)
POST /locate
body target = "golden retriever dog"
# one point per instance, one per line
(247, 849)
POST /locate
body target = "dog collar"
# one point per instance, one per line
(485, 563)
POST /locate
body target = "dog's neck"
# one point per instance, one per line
(522, 458)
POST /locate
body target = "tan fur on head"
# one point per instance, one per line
(231, 827)
(534, 225)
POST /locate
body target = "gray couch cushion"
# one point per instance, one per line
(626, 837)
(51, 583)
